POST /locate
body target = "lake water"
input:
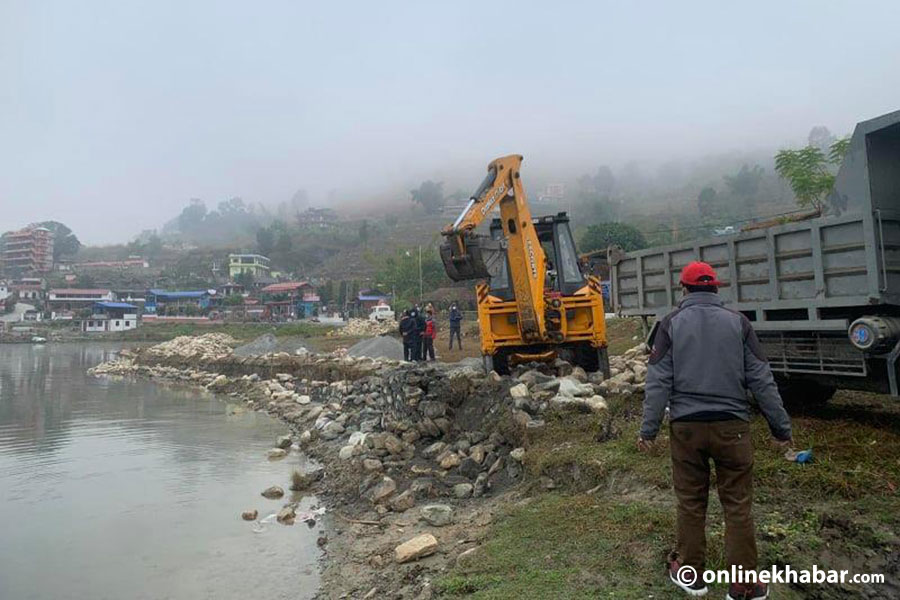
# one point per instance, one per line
(128, 489)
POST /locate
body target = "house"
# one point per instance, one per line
(256, 265)
(176, 303)
(291, 300)
(29, 289)
(27, 250)
(317, 218)
(111, 316)
(368, 299)
(230, 289)
(63, 302)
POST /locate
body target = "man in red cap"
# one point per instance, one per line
(705, 357)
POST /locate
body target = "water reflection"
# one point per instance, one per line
(126, 489)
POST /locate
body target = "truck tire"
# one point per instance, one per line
(798, 393)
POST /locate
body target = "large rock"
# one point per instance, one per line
(276, 453)
(469, 468)
(569, 386)
(519, 391)
(286, 515)
(403, 502)
(382, 490)
(594, 403)
(416, 548)
(250, 515)
(463, 490)
(437, 515)
(283, 442)
(273, 493)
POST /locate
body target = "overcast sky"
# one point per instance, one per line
(113, 114)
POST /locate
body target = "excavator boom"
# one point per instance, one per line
(467, 255)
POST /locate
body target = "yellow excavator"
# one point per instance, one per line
(534, 302)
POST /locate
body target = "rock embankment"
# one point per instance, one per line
(393, 436)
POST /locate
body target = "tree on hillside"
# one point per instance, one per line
(265, 241)
(603, 235)
(706, 201)
(430, 195)
(602, 182)
(809, 172)
(820, 137)
(745, 183)
(64, 241)
(400, 273)
(364, 232)
(192, 216)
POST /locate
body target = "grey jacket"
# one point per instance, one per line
(705, 357)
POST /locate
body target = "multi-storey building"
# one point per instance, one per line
(256, 265)
(27, 250)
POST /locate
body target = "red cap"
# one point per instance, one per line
(699, 273)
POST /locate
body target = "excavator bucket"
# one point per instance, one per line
(480, 261)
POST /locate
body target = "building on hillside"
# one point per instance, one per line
(179, 303)
(29, 289)
(29, 250)
(63, 303)
(368, 299)
(4, 290)
(111, 316)
(230, 289)
(256, 265)
(554, 192)
(137, 297)
(132, 263)
(317, 218)
(291, 300)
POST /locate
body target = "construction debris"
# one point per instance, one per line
(363, 328)
(202, 347)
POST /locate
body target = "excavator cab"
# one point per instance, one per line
(564, 274)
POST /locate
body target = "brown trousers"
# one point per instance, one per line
(728, 444)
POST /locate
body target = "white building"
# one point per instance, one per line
(111, 316)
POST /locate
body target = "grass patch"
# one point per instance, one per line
(623, 334)
(842, 511)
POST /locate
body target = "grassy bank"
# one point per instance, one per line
(605, 528)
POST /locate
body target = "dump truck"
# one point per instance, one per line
(534, 302)
(822, 294)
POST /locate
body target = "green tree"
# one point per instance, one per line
(603, 235)
(706, 201)
(265, 241)
(745, 183)
(245, 279)
(364, 232)
(430, 195)
(400, 273)
(284, 243)
(64, 241)
(809, 172)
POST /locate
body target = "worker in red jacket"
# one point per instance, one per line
(428, 336)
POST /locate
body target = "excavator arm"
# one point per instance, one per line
(467, 255)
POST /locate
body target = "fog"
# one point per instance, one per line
(114, 114)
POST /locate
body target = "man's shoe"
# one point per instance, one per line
(687, 578)
(747, 591)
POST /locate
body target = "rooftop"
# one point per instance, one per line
(287, 286)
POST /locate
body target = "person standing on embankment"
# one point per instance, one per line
(705, 357)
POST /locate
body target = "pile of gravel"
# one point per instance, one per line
(378, 347)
